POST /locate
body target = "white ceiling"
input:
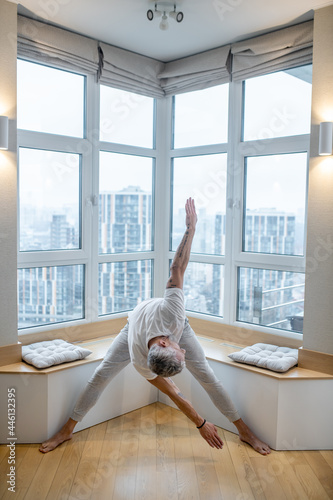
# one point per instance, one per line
(207, 24)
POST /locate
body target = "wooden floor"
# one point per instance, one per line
(156, 453)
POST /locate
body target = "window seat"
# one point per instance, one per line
(289, 410)
(215, 350)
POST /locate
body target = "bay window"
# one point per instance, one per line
(103, 179)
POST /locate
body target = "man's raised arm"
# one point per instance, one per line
(182, 255)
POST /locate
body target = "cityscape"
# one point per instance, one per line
(56, 294)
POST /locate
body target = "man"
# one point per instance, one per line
(155, 340)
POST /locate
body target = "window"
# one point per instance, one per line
(204, 288)
(50, 295)
(86, 206)
(50, 100)
(126, 118)
(271, 298)
(197, 121)
(49, 200)
(125, 203)
(201, 122)
(101, 201)
(278, 104)
(205, 179)
(123, 285)
(274, 204)
(248, 256)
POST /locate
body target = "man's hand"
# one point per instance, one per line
(191, 216)
(209, 433)
(182, 255)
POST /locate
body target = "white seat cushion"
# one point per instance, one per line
(52, 352)
(272, 357)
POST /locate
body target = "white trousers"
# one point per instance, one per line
(117, 357)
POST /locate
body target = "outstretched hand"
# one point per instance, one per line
(191, 215)
(209, 433)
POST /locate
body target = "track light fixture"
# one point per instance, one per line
(166, 10)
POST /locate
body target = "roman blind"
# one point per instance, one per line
(130, 71)
(49, 44)
(196, 72)
(282, 49)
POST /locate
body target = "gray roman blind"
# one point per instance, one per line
(282, 49)
(196, 72)
(130, 71)
(42, 42)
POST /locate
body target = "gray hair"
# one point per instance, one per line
(164, 361)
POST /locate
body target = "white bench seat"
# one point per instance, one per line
(289, 410)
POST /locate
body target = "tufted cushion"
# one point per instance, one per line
(52, 352)
(272, 357)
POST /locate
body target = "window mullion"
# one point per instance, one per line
(234, 199)
(90, 200)
(162, 193)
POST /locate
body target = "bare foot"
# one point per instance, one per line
(246, 435)
(256, 444)
(54, 442)
(63, 435)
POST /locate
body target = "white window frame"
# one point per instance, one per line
(237, 151)
(89, 146)
(162, 154)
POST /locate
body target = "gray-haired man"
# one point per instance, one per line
(155, 340)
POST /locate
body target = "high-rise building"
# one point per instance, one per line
(50, 294)
(125, 220)
(62, 233)
(125, 226)
(268, 231)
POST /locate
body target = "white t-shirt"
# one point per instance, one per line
(152, 318)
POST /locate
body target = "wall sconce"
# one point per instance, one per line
(325, 138)
(3, 132)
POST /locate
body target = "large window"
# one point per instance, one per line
(50, 295)
(248, 260)
(50, 200)
(49, 100)
(86, 204)
(274, 203)
(102, 191)
(205, 179)
(125, 203)
(278, 104)
(197, 122)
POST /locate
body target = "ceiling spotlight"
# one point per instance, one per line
(168, 9)
(164, 25)
(178, 16)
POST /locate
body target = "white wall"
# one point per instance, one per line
(318, 316)
(8, 176)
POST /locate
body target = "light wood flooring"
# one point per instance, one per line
(155, 453)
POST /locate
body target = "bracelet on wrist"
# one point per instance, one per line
(203, 423)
